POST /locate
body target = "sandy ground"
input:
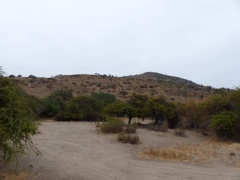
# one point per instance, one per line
(76, 150)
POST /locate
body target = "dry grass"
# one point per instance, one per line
(21, 176)
(128, 138)
(202, 152)
(93, 83)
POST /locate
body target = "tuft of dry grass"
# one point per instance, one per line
(112, 125)
(21, 176)
(202, 152)
(131, 129)
(180, 132)
(128, 138)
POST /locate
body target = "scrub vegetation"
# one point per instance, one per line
(217, 115)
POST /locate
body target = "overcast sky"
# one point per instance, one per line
(197, 40)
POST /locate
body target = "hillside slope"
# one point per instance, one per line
(152, 84)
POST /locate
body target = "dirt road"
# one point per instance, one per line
(75, 150)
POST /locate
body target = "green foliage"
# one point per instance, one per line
(52, 105)
(112, 125)
(64, 94)
(84, 108)
(128, 138)
(16, 126)
(32, 76)
(159, 110)
(104, 98)
(131, 112)
(172, 116)
(55, 103)
(11, 76)
(34, 103)
(221, 113)
(117, 108)
(225, 124)
(156, 108)
(138, 101)
(196, 114)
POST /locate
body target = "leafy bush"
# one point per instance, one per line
(220, 113)
(12, 76)
(16, 125)
(55, 103)
(128, 138)
(225, 124)
(32, 76)
(82, 108)
(117, 108)
(52, 105)
(104, 98)
(112, 125)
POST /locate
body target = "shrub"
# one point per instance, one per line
(12, 76)
(32, 76)
(128, 138)
(180, 132)
(164, 126)
(104, 98)
(112, 125)
(52, 105)
(130, 129)
(16, 125)
(81, 108)
(225, 124)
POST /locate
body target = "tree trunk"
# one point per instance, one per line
(129, 120)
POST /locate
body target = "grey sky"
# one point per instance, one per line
(197, 40)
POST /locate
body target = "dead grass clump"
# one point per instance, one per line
(112, 125)
(131, 129)
(196, 152)
(21, 176)
(203, 152)
(128, 138)
(163, 127)
(180, 132)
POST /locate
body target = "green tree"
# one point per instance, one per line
(156, 109)
(138, 102)
(117, 108)
(55, 103)
(104, 98)
(225, 124)
(16, 125)
(82, 108)
(120, 109)
(131, 112)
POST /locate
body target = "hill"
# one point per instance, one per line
(164, 78)
(152, 84)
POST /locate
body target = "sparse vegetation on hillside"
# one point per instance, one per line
(121, 87)
(145, 96)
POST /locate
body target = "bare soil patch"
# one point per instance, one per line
(76, 150)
